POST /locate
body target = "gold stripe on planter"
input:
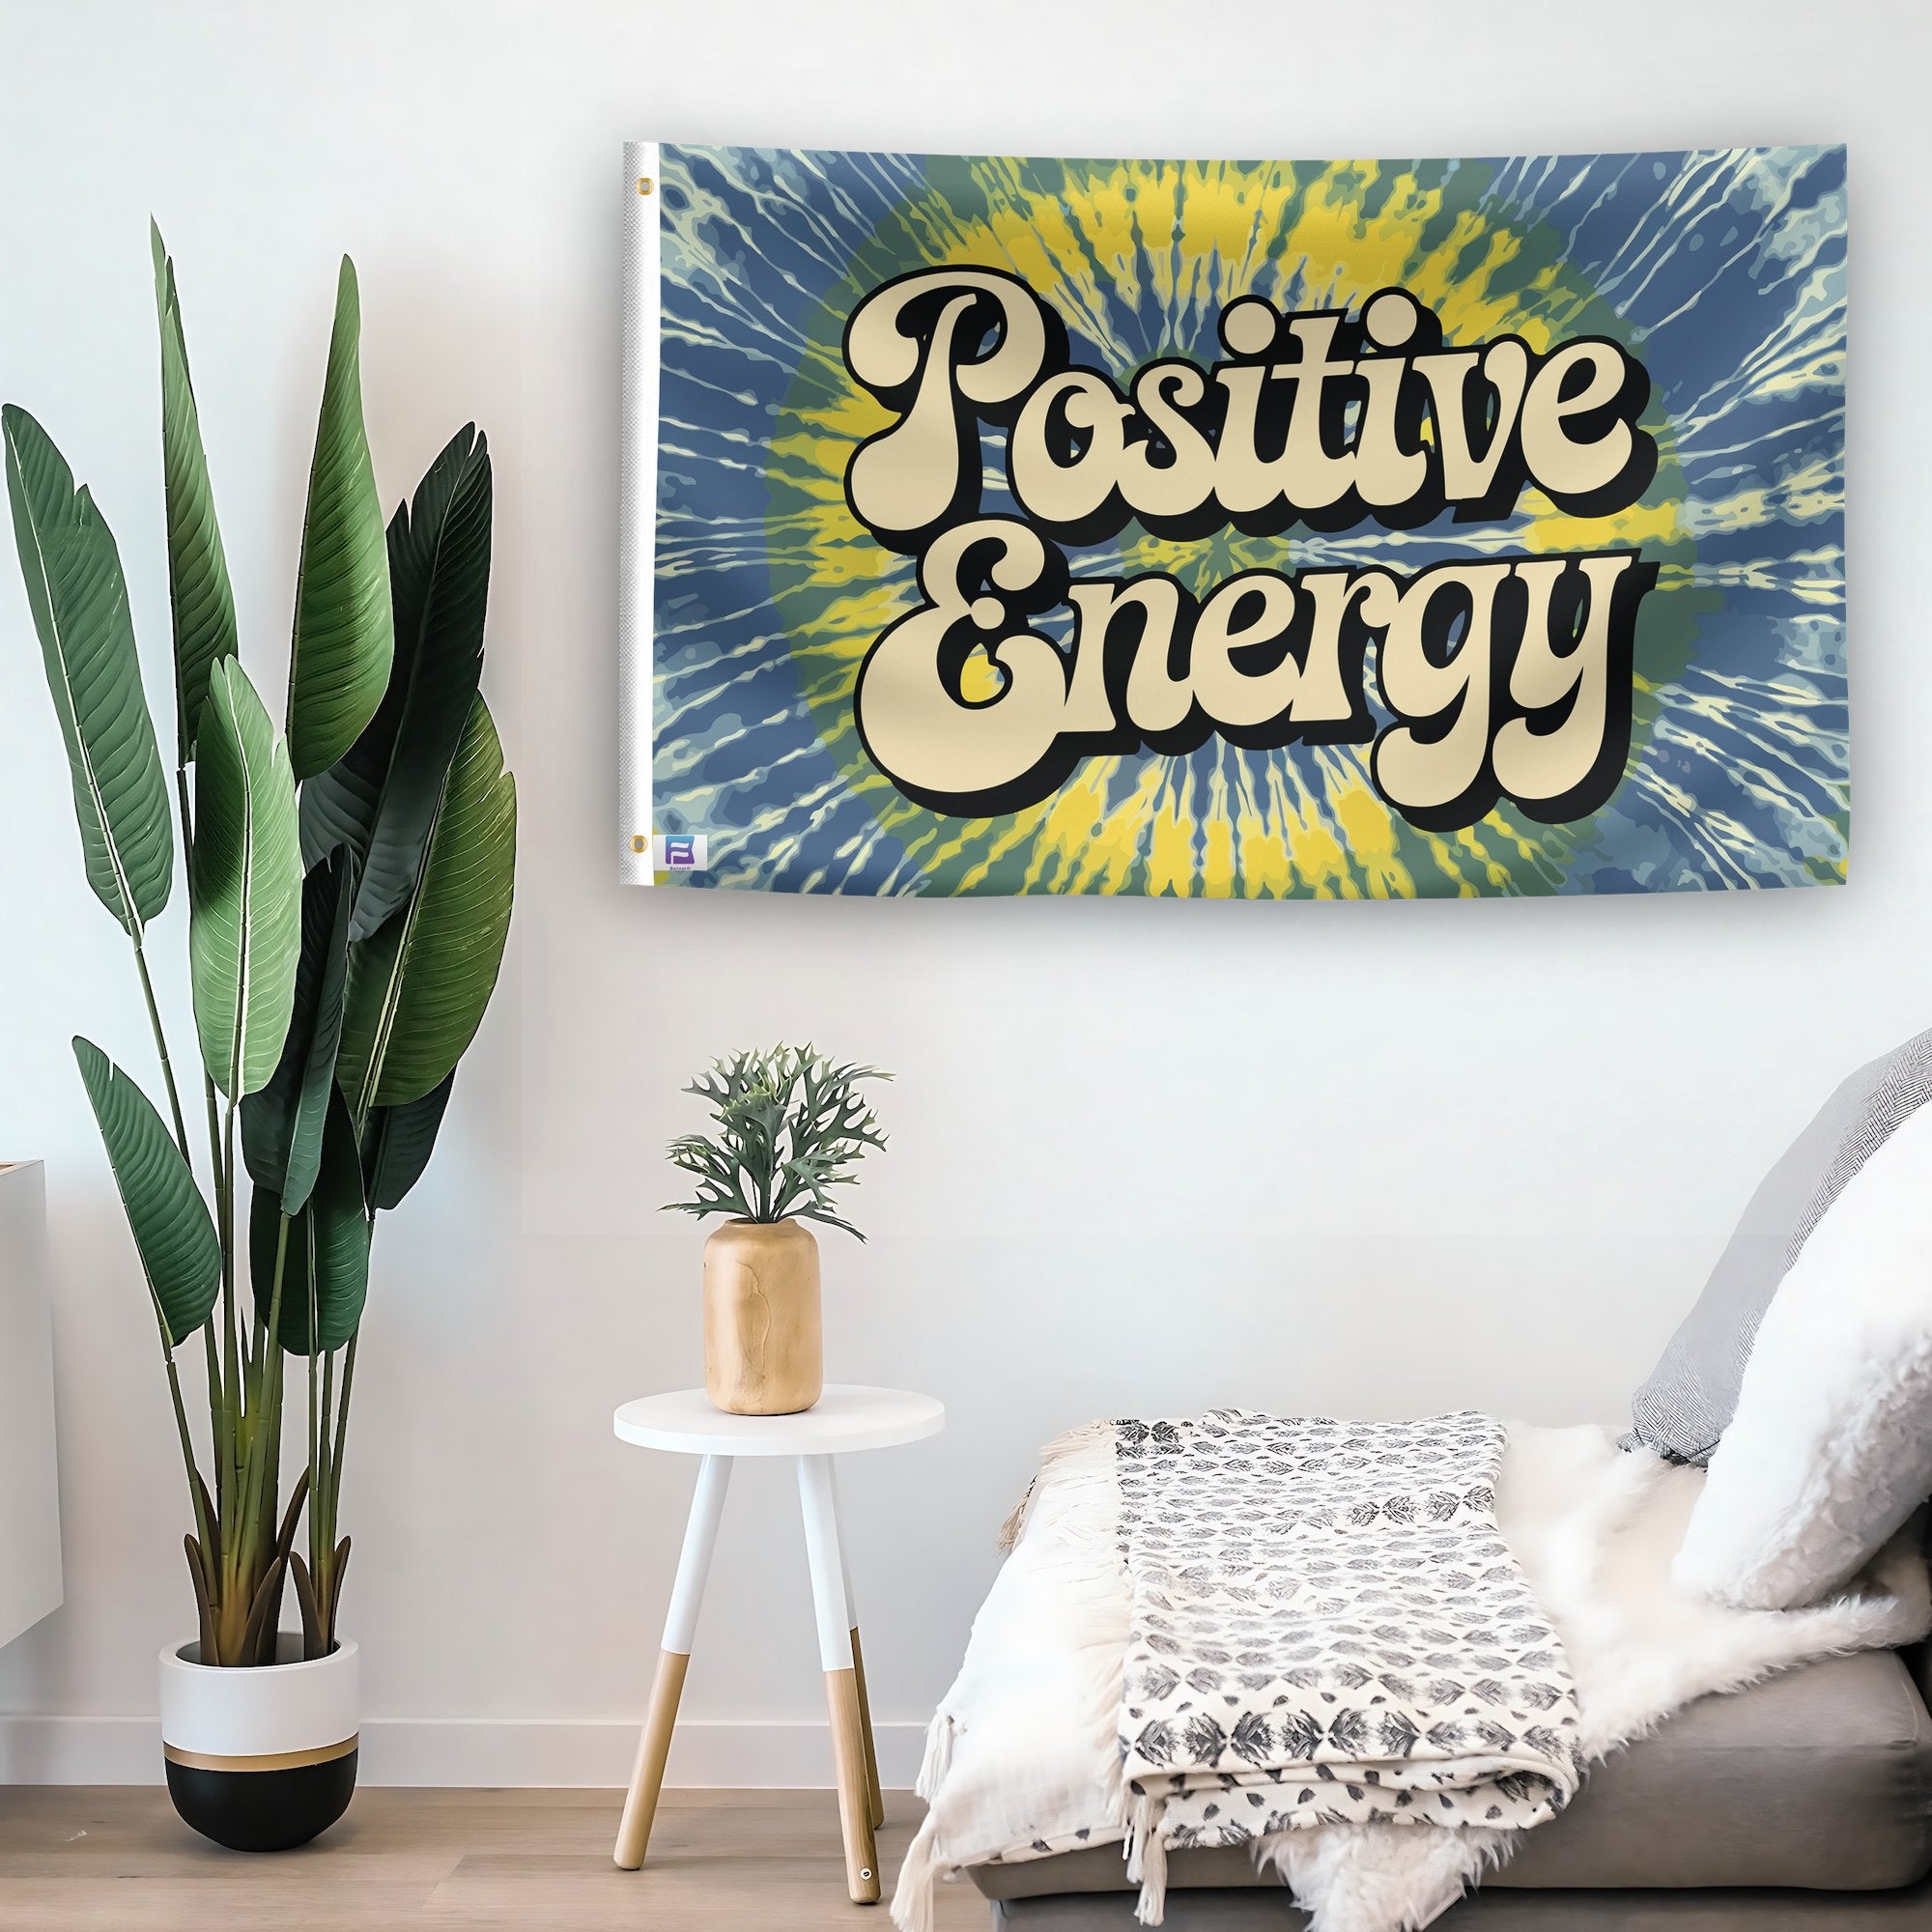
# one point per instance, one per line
(267, 1761)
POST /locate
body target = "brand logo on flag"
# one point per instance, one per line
(681, 852)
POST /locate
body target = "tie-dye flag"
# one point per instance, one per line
(1315, 529)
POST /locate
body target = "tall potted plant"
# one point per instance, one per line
(349, 883)
(789, 1126)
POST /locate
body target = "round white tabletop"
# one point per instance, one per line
(844, 1417)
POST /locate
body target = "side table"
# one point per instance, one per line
(845, 1418)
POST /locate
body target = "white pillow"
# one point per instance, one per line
(1830, 1449)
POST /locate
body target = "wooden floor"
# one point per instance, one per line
(74, 1859)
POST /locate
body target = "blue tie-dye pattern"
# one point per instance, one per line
(1726, 270)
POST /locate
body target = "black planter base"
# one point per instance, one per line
(263, 1810)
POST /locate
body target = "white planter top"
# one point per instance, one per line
(277, 1709)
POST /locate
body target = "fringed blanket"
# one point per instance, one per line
(1023, 1758)
(1326, 1627)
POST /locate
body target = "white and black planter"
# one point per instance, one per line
(261, 1760)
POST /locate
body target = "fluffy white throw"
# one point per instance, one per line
(1023, 1757)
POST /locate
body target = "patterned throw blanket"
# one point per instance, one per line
(1326, 1627)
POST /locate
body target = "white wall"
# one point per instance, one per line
(1148, 1156)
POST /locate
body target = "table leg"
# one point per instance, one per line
(877, 1797)
(694, 1563)
(820, 1510)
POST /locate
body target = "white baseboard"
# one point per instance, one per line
(479, 1751)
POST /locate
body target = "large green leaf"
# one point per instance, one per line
(173, 1233)
(344, 636)
(79, 601)
(418, 988)
(326, 1264)
(244, 887)
(198, 590)
(398, 1142)
(381, 797)
(281, 1126)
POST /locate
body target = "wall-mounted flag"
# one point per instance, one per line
(1238, 529)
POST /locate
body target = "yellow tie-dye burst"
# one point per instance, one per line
(1138, 258)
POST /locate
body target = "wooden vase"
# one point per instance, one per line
(764, 1349)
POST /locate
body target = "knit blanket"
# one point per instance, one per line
(1326, 1626)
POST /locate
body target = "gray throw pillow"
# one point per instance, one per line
(1692, 1393)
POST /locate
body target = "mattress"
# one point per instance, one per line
(1819, 1779)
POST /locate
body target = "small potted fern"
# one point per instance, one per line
(789, 1127)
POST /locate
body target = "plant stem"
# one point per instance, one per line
(322, 1521)
(267, 1406)
(161, 1047)
(219, 1432)
(323, 1524)
(321, 1515)
(258, 1429)
(234, 1416)
(316, 1433)
(341, 1425)
(216, 1435)
(231, 1359)
(194, 1486)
